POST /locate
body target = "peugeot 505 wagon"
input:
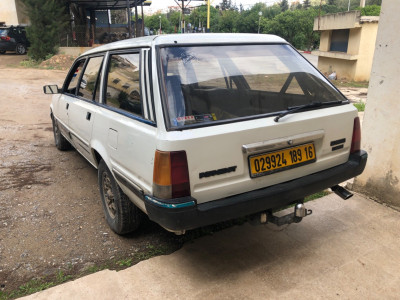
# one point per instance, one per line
(196, 129)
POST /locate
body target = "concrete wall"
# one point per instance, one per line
(381, 126)
(366, 51)
(343, 20)
(345, 69)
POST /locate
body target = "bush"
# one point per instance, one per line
(48, 19)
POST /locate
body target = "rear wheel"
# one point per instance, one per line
(121, 214)
(20, 49)
(60, 141)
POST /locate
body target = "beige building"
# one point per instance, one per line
(347, 44)
(381, 125)
(12, 12)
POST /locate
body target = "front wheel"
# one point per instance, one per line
(60, 141)
(2, 51)
(121, 214)
(20, 49)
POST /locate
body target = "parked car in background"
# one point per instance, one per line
(195, 129)
(13, 38)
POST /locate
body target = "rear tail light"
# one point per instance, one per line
(171, 175)
(5, 38)
(356, 139)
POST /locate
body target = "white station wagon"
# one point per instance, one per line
(195, 129)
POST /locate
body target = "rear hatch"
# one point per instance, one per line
(221, 105)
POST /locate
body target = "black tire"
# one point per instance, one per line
(20, 49)
(121, 214)
(60, 141)
(2, 51)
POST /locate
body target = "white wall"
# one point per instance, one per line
(381, 125)
(8, 12)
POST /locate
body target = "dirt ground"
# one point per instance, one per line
(51, 217)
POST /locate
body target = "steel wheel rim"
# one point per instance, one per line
(56, 133)
(21, 49)
(109, 196)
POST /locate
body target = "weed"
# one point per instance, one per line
(151, 252)
(35, 285)
(124, 262)
(360, 106)
(30, 63)
(316, 196)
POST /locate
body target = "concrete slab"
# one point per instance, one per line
(345, 249)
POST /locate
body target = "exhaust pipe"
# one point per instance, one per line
(341, 192)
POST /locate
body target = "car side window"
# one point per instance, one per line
(89, 84)
(73, 80)
(123, 85)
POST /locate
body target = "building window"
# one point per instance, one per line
(339, 40)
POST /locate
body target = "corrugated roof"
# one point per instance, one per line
(106, 4)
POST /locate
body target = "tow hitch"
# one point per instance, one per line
(295, 217)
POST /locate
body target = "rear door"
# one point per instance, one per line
(82, 111)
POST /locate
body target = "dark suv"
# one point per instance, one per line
(13, 38)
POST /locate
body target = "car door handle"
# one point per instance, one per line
(67, 106)
(88, 115)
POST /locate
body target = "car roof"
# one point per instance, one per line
(197, 38)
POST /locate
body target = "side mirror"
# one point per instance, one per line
(51, 89)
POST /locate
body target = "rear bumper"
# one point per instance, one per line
(187, 214)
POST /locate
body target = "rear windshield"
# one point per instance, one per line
(3, 32)
(214, 84)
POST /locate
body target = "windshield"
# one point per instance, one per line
(203, 84)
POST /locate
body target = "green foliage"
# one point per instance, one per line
(295, 26)
(48, 19)
(371, 10)
(306, 4)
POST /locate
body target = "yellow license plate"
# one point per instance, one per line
(267, 163)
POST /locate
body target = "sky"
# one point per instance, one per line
(164, 4)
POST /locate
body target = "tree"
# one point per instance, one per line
(199, 15)
(371, 10)
(284, 5)
(48, 19)
(331, 2)
(174, 18)
(295, 26)
(225, 5)
(228, 21)
(306, 4)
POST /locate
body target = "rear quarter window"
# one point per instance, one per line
(123, 83)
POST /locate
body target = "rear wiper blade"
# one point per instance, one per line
(293, 109)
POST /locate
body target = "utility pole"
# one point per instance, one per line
(208, 15)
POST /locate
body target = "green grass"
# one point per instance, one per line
(35, 285)
(30, 63)
(316, 196)
(127, 262)
(354, 84)
(360, 106)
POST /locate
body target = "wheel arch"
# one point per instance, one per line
(99, 153)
